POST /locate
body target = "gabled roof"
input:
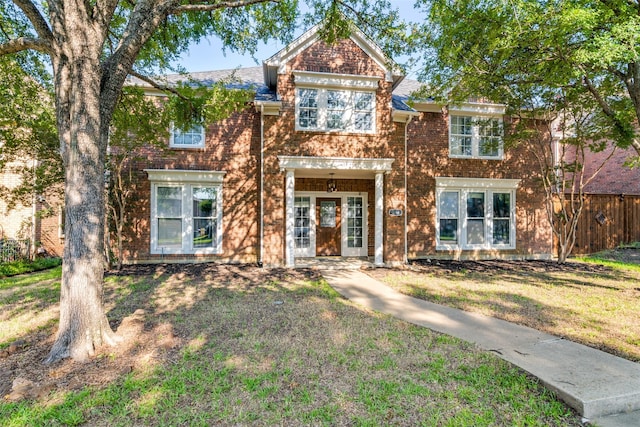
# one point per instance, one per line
(252, 78)
(614, 177)
(276, 64)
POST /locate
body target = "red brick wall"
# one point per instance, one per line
(428, 158)
(232, 145)
(48, 227)
(281, 138)
(17, 223)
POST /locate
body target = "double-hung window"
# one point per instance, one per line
(475, 213)
(335, 102)
(186, 211)
(193, 137)
(475, 137)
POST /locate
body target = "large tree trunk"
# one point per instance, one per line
(83, 324)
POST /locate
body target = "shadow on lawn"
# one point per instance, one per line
(157, 309)
(582, 302)
(274, 341)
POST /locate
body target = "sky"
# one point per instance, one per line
(207, 55)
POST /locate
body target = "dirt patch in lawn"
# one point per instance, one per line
(141, 318)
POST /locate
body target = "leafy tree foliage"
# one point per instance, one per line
(568, 70)
(531, 54)
(28, 136)
(93, 46)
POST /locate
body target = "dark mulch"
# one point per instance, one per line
(249, 272)
(537, 266)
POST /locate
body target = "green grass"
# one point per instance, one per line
(313, 359)
(619, 265)
(616, 258)
(33, 279)
(14, 268)
(596, 306)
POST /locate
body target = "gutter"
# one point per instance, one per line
(34, 213)
(260, 255)
(406, 190)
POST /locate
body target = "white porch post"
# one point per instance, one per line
(290, 219)
(379, 212)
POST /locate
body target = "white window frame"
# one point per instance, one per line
(476, 135)
(465, 186)
(324, 83)
(345, 250)
(311, 250)
(174, 130)
(186, 180)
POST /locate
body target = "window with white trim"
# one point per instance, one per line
(475, 137)
(320, 109)
(193, 137)
(186, 216)
(475, 213)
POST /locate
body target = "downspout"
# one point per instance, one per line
(34, 213)
(260, 256)
(406, 207)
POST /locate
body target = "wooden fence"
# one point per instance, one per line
(607, 221)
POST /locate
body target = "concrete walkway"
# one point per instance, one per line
(603, 388)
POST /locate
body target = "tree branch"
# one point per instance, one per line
(24, 43)
(156, 85)
(103, 13)
(204, 7)
(37, 20)
(606, 108)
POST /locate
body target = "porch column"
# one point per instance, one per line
(289, 218)
(379, 212)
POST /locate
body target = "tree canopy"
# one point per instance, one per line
(536, 55)
(91, 47)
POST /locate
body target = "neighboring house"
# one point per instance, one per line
(611, 214)
(330, 160)
(615, 177)
(39, 222)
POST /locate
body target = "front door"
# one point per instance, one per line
(328, 227)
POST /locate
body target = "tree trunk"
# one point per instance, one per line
(83, 324)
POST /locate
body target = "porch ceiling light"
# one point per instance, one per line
(331, 184)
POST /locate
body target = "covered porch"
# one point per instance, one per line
(327, 219)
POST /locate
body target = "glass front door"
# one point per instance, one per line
(330, 226)
(302, 232)
(355, 232)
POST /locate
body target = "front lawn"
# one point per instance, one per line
(236, 345)
(590, 303)
(8, 269)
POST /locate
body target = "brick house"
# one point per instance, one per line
(330, 160)
(40, 221)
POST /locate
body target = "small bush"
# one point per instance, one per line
(13, 268)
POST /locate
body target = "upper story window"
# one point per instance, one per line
(189, 138)
(335, 102)
(335, 110)
(475, 137)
